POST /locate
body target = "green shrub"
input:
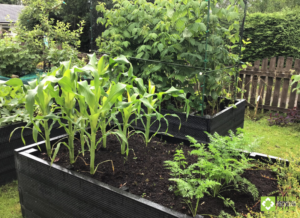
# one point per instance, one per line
(172, 31)
(272, 35)
(55, 55)
(15, 58)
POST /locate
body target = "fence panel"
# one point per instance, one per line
(269, 83)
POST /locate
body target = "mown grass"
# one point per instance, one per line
(275, 140)
(9, 201)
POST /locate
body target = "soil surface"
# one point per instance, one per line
(143, 173)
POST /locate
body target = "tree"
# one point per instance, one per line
(42, 35)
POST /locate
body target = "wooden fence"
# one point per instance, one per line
(269, 83)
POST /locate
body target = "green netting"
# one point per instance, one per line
(27, 77)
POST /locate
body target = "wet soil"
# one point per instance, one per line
(144, 174)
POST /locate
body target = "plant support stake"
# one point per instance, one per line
(240, 52)
(205, 60)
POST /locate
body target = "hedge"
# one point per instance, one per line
(272, 34)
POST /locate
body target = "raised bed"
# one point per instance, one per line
(58, 192)
(7, 147)
(227, 119)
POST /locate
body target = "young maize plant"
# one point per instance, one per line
(152, 100)
(127, 109)
(67, 102)
(99, 103)
(41, 94)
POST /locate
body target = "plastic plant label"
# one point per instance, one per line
(258, 98)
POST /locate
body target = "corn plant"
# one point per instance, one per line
(83, 123)
(99, 111)
(127, 109)
(66, 100)
(152, 100)
(103, 73)
(40, 94)
(99, 104)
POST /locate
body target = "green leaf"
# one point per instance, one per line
(126, 34)
(160, 47)
(55, 153)
(85, 91)
(170, 12)
(14, 82)
(115, 91)
(140, 55)
(35, 131)
(187, 33)
(93, 59)
(203, 5)
(202, 26)
(180, 25)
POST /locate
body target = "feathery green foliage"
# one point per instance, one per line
(215, 171)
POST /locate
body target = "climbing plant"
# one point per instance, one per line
(174, 31)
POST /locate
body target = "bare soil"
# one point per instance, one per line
(144, 174)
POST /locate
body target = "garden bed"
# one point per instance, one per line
(8, 145)
(228, 118)
(56, 191)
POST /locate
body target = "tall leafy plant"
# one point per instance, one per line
(40, 94)
(99, 104)
(173, 31)
(44, 34)
(152, 100)
(131, 106)
(64, 96)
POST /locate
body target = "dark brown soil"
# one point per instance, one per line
(143, 173)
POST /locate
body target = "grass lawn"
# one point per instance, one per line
(9, 201)
(275, 141)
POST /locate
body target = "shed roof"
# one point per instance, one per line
(12, 10)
